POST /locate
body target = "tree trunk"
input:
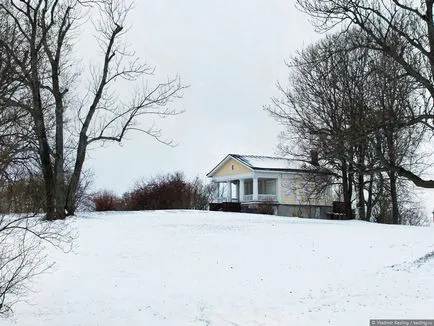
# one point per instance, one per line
(361, 197)
(75, 177)
(349, 211)
(44, 150)
(46, 166)
(394, 196)
(393, 178)
(47, 172)
(369, 204)
(346, 182)
(59, 173)
(430, 29)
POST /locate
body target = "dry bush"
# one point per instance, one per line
(171, 191)
(267, 208)
(25, 195)
(165, 192)
(106, 201)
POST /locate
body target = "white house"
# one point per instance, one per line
(252, 180)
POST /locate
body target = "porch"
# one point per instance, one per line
(247, 190)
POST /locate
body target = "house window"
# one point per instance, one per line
(267, 186)
(248, 187)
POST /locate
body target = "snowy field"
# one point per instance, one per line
(209, 268)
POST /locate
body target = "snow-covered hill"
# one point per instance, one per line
(209, 268)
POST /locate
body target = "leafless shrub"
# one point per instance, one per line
(171, 191)
(266, 207)
(164, 192)
(202, 194)
(414, 215)
(106, 201)
(24, 195)
(412, 210)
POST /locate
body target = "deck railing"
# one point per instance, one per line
(247, 198)
(264, 197)
(261, 197)
(224, 200)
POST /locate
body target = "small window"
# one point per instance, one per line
(232, 167)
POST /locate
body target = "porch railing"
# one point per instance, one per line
(267, 197)
(261, 197)
(224, 200)
(248, 198)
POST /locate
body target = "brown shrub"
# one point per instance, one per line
(171, 191)
(106, 201)
(267, 207)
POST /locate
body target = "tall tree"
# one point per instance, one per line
(383, 23)
(321, 108)
(394, 96)
(343, 104)
(37, 36)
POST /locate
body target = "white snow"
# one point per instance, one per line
(265, 162)
(213, 268)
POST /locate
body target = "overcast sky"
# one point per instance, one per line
(230, 53)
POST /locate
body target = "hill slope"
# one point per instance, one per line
(209, 268)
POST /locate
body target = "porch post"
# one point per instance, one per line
(237, 191)
(216, 192)
(278, 187)
(229, 191)
(255, 188)
(241, 190)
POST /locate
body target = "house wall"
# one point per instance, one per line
(322, 212)
(293, 192)
(303, 211)
(231, 167)
(288, 189)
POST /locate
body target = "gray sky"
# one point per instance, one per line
(230, 53)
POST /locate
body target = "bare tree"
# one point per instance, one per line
(394, 97)
(321, 110)
(18, 153)
(203, 194)
(401, 29)
(22, 237)
(342, 111)
(40, 49)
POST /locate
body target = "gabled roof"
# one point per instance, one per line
(261, 163)
(257, 162)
